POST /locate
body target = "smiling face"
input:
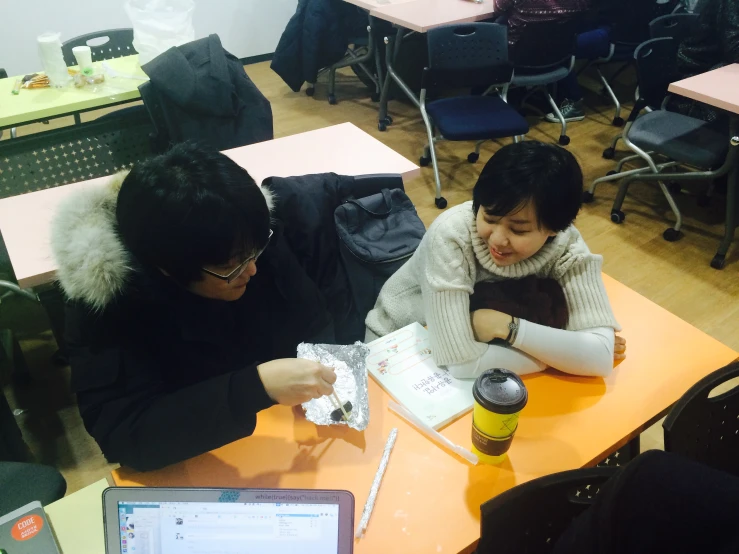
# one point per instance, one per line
(513, 237)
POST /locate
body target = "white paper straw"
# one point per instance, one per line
(431, 433)
(370, 504)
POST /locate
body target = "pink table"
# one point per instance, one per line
(423, 15)
(343, 149)
(719, 88)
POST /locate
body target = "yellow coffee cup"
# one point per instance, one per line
(499, 395)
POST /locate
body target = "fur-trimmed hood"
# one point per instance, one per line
(93, 265)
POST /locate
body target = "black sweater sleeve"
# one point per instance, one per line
(141, 423)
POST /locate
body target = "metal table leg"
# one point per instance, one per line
(392, 47)
(719, 260)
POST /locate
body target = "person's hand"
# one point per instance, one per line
(292, 381)
(619, 348)
(489, 324)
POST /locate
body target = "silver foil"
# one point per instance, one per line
(349, 363)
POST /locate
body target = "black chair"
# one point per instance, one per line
(544, 55)
(119, 43)
(678, 26)
(529, 518)
(465, 57)
(22, 483)
(629, 28)
(705, 428)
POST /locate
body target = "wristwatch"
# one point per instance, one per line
(512, 330)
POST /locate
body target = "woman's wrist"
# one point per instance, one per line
(490, 324)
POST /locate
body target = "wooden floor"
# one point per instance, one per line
(675, 275)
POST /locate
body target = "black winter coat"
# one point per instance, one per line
(203, 94)
(316, 36)
(161, 374)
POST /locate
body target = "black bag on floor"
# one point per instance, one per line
(377, 235)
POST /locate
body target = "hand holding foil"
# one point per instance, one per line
(349, 364)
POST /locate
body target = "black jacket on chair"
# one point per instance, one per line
(162, 374)
(316, 36)
(204, 95)
(306, 205)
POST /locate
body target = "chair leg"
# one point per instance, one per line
(563, 138)
(673, 206)
(623, 189)
(439, 200)
(617, 120)
(620, 164)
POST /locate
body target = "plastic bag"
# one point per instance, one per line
(158, 25)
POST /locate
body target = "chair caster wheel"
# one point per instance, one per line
(424, 161)
(618, 122)
(671, 235)
(609, 153)
(703, 201)
(674, 188)
(310, 91)
(440, 203)
(472, 157)
(564, 140)
(382, 125)
(332, 99)
(718, 261)
(617, 216)
(612, 172)
(587, 197)
(375, 97)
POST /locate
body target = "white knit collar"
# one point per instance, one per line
(548, 254)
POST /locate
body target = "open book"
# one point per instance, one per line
(401, 364)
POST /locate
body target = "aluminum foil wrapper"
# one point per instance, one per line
(349, 363)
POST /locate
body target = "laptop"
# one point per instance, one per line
(142, 520)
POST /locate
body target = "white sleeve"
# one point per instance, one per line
(588, 352)
(497, 356)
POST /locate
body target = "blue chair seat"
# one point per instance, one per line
(476, 118)
(681, 138)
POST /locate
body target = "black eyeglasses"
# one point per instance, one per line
(236, 273)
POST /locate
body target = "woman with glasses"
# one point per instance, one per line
(185, 309)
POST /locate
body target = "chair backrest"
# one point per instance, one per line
(678, 26)
(630, 23)
(119, 43)
(468, 55)
(531, 517)
(706, 429)
(71, 154)
(545, 45)
(656, 68)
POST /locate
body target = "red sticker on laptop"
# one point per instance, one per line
(27, 527)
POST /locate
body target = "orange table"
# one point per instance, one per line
(430, 500)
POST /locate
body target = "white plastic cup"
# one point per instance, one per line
(83, 55)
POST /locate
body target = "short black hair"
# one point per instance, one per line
(188, 208)
(545, 174)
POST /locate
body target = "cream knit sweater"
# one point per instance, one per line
(434, 286)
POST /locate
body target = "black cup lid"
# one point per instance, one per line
(500, 391)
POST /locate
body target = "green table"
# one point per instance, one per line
(33, 105)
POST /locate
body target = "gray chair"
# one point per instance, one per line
(105, 45)
(544, 55)
(665, 140)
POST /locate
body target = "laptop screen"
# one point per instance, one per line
(225, 528)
